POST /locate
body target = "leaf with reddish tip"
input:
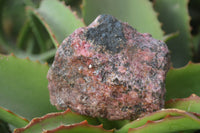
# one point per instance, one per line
(159, 115)
(79, 128)
(190, 104)
(23, 87)
(57, 18)
(11, 118)
(169, 124)
(54, 120)
(183, 82)
(138, 13)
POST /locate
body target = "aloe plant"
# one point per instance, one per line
(29, 41)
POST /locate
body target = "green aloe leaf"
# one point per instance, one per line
(175, 18)
(57, 19)
(54, 120)
(24, 87)
(183, 82)
(138, 13)
(190, 104)
(80, 127)
(159, 115)
(169, 124)
(11, 118)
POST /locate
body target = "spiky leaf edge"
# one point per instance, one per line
(51, 116)
(83, 124)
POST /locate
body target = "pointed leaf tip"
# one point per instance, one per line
(149, 121)
(167, 116)
(194, 96)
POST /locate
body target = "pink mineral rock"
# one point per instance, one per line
(109, 70)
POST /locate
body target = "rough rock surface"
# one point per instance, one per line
(109, 70)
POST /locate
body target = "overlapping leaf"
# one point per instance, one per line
(190, 104)
(24, 87)
(183, 82)
(80, 127)
(161, 121)
(55, 120)
(11, 118)
(169, 124)
(58, 19)
(40, 33)
(138, 13)
(175, 18)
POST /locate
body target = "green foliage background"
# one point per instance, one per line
(31, 31)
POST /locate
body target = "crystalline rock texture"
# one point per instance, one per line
(109, 70)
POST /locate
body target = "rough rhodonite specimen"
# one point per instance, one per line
(109, 70)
